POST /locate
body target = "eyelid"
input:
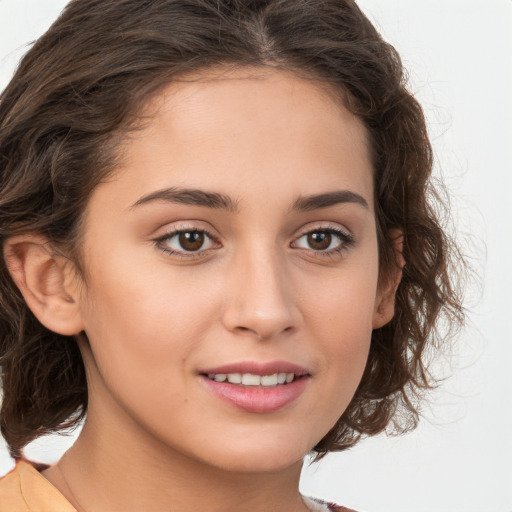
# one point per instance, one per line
(344, 235)
(311, 227)
(185, 227)
(346, 238)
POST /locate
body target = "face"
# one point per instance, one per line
(231, 271)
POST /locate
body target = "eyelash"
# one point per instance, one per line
(346, 241)
(161, 242)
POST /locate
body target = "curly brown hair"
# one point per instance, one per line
(78, 91)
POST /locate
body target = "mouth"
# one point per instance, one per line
(253, 380)
(255, 387)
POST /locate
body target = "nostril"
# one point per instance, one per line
(248, 330)
(261, 335)
(260, 319)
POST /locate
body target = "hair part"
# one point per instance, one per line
(80, 90)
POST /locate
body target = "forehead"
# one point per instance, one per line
(248, 127)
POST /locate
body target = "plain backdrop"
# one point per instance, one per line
(459, 57)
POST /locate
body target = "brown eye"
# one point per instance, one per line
(191, 240)
(186, 241)
(319, 241)
(324, 240)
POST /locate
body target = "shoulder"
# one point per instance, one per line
(24, 489)
(10, 492)
(316, 505)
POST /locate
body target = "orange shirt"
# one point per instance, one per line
(24, 489)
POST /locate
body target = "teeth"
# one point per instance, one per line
(269, 380)
(249, 379)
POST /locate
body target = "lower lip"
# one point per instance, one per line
(256, 398)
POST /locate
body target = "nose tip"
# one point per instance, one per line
(261, 302)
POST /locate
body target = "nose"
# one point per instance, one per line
(261, 300)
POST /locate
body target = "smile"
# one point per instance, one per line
(250, 379)
(257, 387)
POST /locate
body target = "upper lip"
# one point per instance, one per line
(257, 368)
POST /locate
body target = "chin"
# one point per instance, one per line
(247, 464)
(258, 457)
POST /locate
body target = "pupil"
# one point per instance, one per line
(319, 240)
(191, 240)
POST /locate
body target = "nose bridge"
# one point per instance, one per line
(261, 301)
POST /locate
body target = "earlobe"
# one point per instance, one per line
(385, 303)
(42, 277)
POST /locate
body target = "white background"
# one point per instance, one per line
(459, 56)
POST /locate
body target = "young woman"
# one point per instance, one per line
(218, 249)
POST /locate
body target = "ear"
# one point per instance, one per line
(388, 284)
(47, 282)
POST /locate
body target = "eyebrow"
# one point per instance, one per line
(318, 201)
(190, 196)
(215, 200)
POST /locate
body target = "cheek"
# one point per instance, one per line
(145, 325)
(344, 336)
(143, 335)
(342, 304)
(339, 318)
(143, 332)
(144, 305)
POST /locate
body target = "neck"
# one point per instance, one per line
(119, 470)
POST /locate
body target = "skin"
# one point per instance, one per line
(257, 290)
